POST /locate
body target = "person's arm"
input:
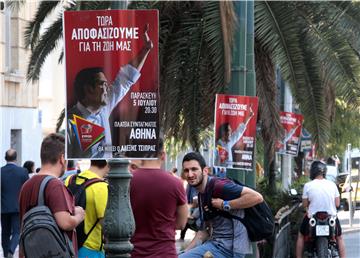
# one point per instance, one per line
(305, 202)
(248, 198)
(337, 202)
(181, 216)
(68, 222)
(139, 60)
(200, 237)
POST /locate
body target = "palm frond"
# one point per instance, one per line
(60, 120)
(14, 4)
(336, 56)
(32, 30)
(43, 48)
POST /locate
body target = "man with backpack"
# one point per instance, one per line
(51, 200)
(91, 193)
(229, 237)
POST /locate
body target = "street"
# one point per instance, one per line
(352, 244)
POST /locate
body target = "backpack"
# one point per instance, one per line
(41, 236)
(258, 220)
(79, 192)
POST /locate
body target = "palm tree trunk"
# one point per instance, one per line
(271, 128)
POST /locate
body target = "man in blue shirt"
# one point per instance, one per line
(12, 179)
(96, 100)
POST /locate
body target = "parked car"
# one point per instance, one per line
(354, 188)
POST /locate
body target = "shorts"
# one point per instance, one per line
(88, 253)
(305, 227)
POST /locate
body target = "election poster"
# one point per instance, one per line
(292, 124)
(235, 131)
(112, 83)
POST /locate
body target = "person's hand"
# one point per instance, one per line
(217, 203)
(79, 213)
(148, 42)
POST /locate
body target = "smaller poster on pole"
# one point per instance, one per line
(292, 124)
(235, 131)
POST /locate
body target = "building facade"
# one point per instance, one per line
(19, 113)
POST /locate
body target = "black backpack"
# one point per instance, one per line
(80, 200)
(258, 220)
(41, 236)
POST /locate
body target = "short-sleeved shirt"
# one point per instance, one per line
(155, 196)
(96, 201)
(57, 198)
(230, 233)
(321, 194)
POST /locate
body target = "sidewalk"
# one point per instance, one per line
(181, 244)
(344, 218)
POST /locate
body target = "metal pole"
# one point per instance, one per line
(119, 224)
(350, 193)
(243, 73)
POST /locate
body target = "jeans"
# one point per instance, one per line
(216, 250)
(10, 232)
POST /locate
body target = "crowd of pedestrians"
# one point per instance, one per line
(160, 204)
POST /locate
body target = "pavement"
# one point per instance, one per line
(344, 218)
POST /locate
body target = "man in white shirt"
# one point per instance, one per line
(319, 194)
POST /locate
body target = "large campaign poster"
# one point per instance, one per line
(235, 131)
(292, 124)
(112, 79)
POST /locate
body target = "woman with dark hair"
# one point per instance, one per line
(30, 167)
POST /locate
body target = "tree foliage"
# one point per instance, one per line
(314, 44)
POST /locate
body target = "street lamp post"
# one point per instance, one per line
(119, 222)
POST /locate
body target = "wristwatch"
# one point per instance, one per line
(226, 206)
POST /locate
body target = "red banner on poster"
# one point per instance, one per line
(112, 83)
(292, 124)
(235, 131)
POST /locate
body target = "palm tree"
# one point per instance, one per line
(314, 44)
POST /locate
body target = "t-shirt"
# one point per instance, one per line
(57, 198)
(96, 200)
(155, 195)
(230, 233)
(321, 194)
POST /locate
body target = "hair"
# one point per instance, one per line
(29, 165)
(52, 147)
(10, 155)
(223, 129)
(331, 161)
(195, 156)
(85, 78)
(100, 163)
(37, 170)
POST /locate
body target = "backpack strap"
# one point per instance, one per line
(41, 195)
(208, 196)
